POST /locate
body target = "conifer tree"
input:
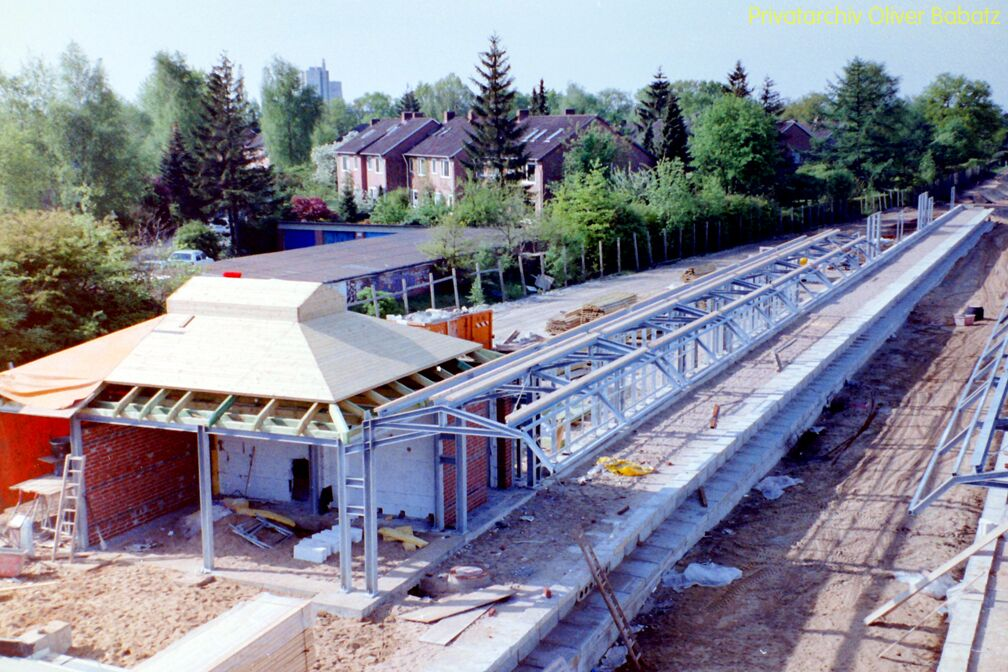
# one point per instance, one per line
(348, 203)
(738, 81)
(539, 104)
(233, 175)
(178, 173)
(674, 138)
(409, 102)
(494, 147)
(770, 99)
(651, 108)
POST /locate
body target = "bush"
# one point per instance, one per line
(392, 208)
(65, 279)
(386, 302)
(194, 235)
(310, 209)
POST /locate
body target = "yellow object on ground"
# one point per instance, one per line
(803, 261)
(242, 508)
(624, 467)
(404, 534)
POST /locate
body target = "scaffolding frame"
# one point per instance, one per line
(970, 430)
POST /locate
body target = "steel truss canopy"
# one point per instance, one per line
(582, 387)
(965, 445)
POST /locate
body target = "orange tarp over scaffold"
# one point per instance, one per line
(45, 393)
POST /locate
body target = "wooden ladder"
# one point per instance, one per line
(609, 597)
(65, 528)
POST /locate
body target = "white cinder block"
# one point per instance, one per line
(310, 550)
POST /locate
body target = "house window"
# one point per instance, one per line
(437, 196)
(530, 171)
(444, 167)
(378, 162)
(415, 197)
(346, 164)
(422, 167)
(450, 199)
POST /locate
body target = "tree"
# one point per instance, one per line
(450, 240)
(651, 108)
(770, 99)
(99, 163)
(811, 109)
(65, 279)
(494, 205)
(586, 209)
(867, 115)
(375, 105)
(170, 97)
(348, 203)
(967, 123)
(338, 118)
(233, 177)
(409, 102)
(674, 140)
(310, 209)
(695, 96)
(494, 148)
(446, 94)
(593, 148)
(178, 174)
(195, 235)
(539, 105)
(735, 141)
(392, 208)
(738, 81)
(616, 107)
(290, 110)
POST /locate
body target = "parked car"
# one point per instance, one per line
(220, 227)
(189, 257)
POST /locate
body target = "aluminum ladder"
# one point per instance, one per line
(65, 527)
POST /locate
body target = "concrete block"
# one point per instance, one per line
(310, 550)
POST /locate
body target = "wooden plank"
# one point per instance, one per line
(263, 414)
(456, 604)
(179, 405)
(25, 586)
(446, 630)
(937, 573)
(152, 402)
(306, 418)
(125, 401)
(221, 410)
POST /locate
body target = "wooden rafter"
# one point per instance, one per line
(400, 387)
(337, 417)
(220, 411)
(423, 380)
(152, 402)
(377, 398)
(179, 405)
(125, 401)
(261, 416)
(307, 418)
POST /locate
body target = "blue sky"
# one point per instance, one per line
(385, 45)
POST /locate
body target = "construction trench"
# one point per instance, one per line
(769, 342)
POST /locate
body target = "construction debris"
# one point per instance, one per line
(518, 340)
(53, 637)
(603, 305)
(706, 574)
(403, 533)
(457, 604)
(773, 487)
(694, 272)
(252, 531)
(624, 467)
(468, 323)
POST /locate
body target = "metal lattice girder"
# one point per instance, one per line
(969, 433)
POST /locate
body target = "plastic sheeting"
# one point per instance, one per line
(61, 380)
(707, 574)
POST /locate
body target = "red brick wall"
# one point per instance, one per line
(478, 469)
(135, 474)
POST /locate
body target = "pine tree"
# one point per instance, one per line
(674, 139)
(494, 147)
(539, 104)
(409, 102)
(738, 81)
(770, 99)
(348, 203)
(178, 173)
(651, 108)
(233, 174)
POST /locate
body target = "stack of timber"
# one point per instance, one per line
(603, 305)
(517, 340)
(267, 634)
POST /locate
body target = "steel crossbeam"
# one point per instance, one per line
(969, 433)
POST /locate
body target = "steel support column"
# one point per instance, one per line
(205, 497)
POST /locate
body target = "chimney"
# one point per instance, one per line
(406, 116)
(375, 121)
(449, 115)
(522, 114)
(570, 111)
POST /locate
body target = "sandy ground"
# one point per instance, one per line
(818, 560)
(119, 613)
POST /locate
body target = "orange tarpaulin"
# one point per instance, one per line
(61, 380)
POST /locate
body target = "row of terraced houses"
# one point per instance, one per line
(423, 155)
